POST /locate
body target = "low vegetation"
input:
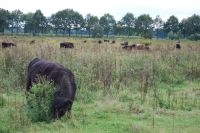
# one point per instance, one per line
(136, 91)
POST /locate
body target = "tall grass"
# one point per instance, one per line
(146, 83)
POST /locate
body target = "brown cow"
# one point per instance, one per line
(32, 41)
(66, 45)
(8, 44)
(113, 41)
(105, 40)
(124, 44)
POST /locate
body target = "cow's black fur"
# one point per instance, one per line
(63, 80)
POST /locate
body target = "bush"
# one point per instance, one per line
(97, 31)
(2, 101)
(194, 37)
(173, 36)
(40, 101)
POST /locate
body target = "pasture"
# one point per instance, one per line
(119, 90)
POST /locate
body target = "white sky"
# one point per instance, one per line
(117, 8)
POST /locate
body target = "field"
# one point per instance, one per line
(138, 91)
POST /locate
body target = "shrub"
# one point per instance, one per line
(40, 100)
(2, 101)
(194, 37)
(173, 36)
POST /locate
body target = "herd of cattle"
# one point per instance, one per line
(62, 77)
(125, 45)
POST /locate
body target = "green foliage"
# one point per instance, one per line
(2, 101)
(128, 21)
(4, 15)
(107, 21)
(39, 22)
(194, 37)
(171, 24)
(40, 100)
(90, 22)
(144, 26)
(191, 26)
(173, 36)
(16, 20)
(97, 31)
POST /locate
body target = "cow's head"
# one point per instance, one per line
(60, 106)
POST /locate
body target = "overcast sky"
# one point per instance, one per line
(117, 8)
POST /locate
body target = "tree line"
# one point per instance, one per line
(68, 21)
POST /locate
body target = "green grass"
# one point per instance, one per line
(154, 91)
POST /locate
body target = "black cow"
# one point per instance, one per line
(124, 44)
(63, 79)
(8, 44)
(66, 45)
(106, 40)
(99, 41)
(178, 46)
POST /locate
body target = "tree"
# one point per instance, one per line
(128, 22)
(97, 31)
(28, 27)
(171, 24)
(16, 20)
(118, 28)
(191, 25)
(78, 21)
(158, 27)
(183, 27)
(39, 22)
(58, 21)
(107, 22)
(4, 14)
(144, 26)
(90, 22)
(66, 20)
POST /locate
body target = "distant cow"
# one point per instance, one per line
(105, 40)
(127, 47)
(66, 45)
(8, 44)
(84, 41)
(63, 80)
(113, 41)
(99, 41)
(141, 46)
(32, 41)
(178, 46)
(136, 47)
(124, 44)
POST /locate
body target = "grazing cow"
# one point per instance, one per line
(113, 41)
(8, 44)
(141, 46)
(66, 45)
(32, 41)
(124, 44)
(99, 41)
(105, 40)
(127, 47)
(136, 47)
(84, 41)
(178, 46)
(63, 80)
